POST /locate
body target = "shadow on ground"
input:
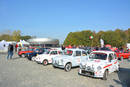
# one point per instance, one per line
(16, 58)
(124, 77)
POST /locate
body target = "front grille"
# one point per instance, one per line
(88, 73)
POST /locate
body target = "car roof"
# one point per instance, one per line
(55, 50)
(100, 51)
(76, 49)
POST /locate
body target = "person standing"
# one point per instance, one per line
(63, 47)
(16, 47)
(10, 51)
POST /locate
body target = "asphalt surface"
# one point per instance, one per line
(20, 72)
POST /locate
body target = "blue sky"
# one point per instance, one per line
(56, 18)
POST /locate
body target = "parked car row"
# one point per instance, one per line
(97, 64)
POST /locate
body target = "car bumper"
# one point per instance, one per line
(38, 61)
(89, 73)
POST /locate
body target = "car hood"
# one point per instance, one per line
(94, 63)
(42, 55)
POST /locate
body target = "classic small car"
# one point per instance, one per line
(71, 58)
(123, 55)
(22, 52)
(99, 64)
(35, 53)
(46, 58)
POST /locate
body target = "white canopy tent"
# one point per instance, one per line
(23, 42)
(3, 46)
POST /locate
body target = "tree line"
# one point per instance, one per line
(116, 38)
(13, 36)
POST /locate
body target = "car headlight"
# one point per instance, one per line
(82, 65)
(92, 67)
(99, 68)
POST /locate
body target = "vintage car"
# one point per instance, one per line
(123, 55)
(71, 58)
(35, 53)
(22, 52)
(46, 58)
(99, 65)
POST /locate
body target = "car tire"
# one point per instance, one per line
(19, 55)
(45, 62)
(23, 55)
(67, 67)
(105, 75)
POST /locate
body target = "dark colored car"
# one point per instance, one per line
(88, 50)
(36, 52)
(105, 48)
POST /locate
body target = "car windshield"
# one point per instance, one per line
(101, 56)
(68, 52)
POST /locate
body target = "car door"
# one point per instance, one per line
(52, 54)
(126, 55)
(112, 61)
(77, 58)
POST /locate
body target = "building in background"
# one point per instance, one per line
(44, 42)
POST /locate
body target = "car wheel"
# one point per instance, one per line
(67, 67)
(105, 75)
(45, 62)
(19, 55)
(23, 55)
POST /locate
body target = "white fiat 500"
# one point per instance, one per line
(47, 57)
(71, 58)
(100, 64)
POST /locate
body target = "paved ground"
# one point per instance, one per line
(20, 72)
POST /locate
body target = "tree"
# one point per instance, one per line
(16, 35)
(6, 37)
(117, 38)
(25, 37)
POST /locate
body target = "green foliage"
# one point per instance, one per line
(6, 37)
(117, 38)
(79, 38)
(128, 35)
(13, 36)
(16, 35)
(25, 37)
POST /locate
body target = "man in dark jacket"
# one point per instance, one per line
(10, 51)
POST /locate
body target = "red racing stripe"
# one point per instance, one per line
(107, 66)
(115, 62)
